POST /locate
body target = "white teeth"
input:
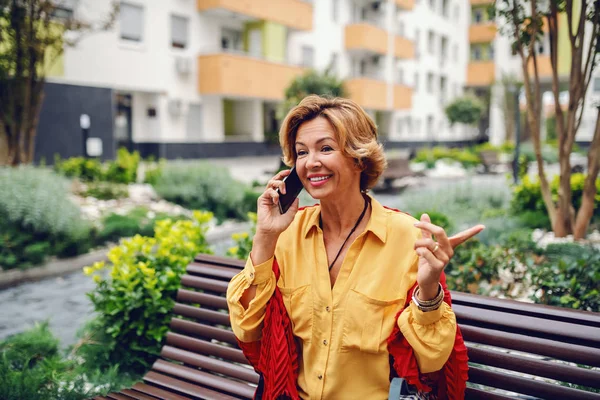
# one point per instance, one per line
(321, 178)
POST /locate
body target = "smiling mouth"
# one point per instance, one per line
(319, 179)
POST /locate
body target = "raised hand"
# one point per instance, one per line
(434, 256)
(270, 222)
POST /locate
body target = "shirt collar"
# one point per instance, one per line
(377, 224)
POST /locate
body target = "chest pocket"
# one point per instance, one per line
(368, 322)
(299, 305)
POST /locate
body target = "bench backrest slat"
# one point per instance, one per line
(196, 329)
(527, 385)
(203, 314)
(185, 387)
(203, 347)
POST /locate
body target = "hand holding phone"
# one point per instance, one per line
(293, 187)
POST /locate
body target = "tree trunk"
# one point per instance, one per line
(586, 211)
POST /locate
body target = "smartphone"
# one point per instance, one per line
(293, 187)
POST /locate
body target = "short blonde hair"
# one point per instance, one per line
(355, 132)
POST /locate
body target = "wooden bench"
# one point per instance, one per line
(397, 168)
(201, 359)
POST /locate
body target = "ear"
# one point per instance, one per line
(359, 165)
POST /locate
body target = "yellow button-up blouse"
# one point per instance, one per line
(343, 330)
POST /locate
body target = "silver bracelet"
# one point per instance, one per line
(429, 305)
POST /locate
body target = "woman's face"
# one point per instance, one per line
(322, 166)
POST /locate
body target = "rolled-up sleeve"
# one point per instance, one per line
(247, 323)
(431, 335)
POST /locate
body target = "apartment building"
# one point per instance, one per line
(200, 78)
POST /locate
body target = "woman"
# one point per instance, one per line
(345, 272)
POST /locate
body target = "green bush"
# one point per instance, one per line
(124, 168)
(105, 191)
(33, 368)
(472, 264)
(466, 110)
(568, 276)
(135, 293)
(85, 169)
(467, 158)
(138, 221)
(205, 187)
(437, 218)
(153, 171)
(527, 202)
(37, 218)
(243, 241)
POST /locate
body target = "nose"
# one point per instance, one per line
(313, 161)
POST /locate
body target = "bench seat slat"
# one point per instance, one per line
(186, 387)
(528, 386)
(220, 261)
(555, 330)
(213, 364)
(158, 392)
(204, 347)
(207, 300)
(202, 314)
(205, 379)
(197, 282)
(118, 396)
(476, 394)
(528, 309)
(212, 271)
(512, 362)
(531, 344)
(137, 395)
(196, 329)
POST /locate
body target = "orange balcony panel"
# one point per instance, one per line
(484, 33)
(406, 5)
(481, 73)
(369, 93)
(292, 13)
(403, 48)
(481, 2)
(368, 37)
(544, 67)
(238, 75)
(402, 97)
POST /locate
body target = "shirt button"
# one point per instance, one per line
(327, 309)
(320, 376)
(325, 342)
(251, 275)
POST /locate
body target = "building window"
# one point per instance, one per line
(333, 64)
(476, 53)
(401, 28)
(432, 4)
(478, 16)
(491, 52)
(399, 124)
(131, 22)
(455, 52)
(596, 84)
(417, 35)
(408, 125)
(431, 42)
(430, 80)
(430, 124)
(335, 10)
(179, 32)
(416, 83)
(456, 13)
(308, 57)
(400, 76)
(445, 8)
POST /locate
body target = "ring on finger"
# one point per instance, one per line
(437, 246)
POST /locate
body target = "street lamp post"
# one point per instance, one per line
(85, 123)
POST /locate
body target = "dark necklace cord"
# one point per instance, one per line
(351, 232)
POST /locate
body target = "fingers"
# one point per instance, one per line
(271, 196)
(425, 218)
(277, 181)
(428, 229)
(463, 236)
(435, 249)
(430, 257)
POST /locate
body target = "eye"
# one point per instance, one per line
(326, 148)
(301, 153)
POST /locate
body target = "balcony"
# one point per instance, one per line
(481, 73)
(295, 14)
(482, 33)
(402, 97)
(365, 37)
(544, 67)
(403, 48)
(237, 75)
(369, 93)
(481, 2)
(406, 5)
